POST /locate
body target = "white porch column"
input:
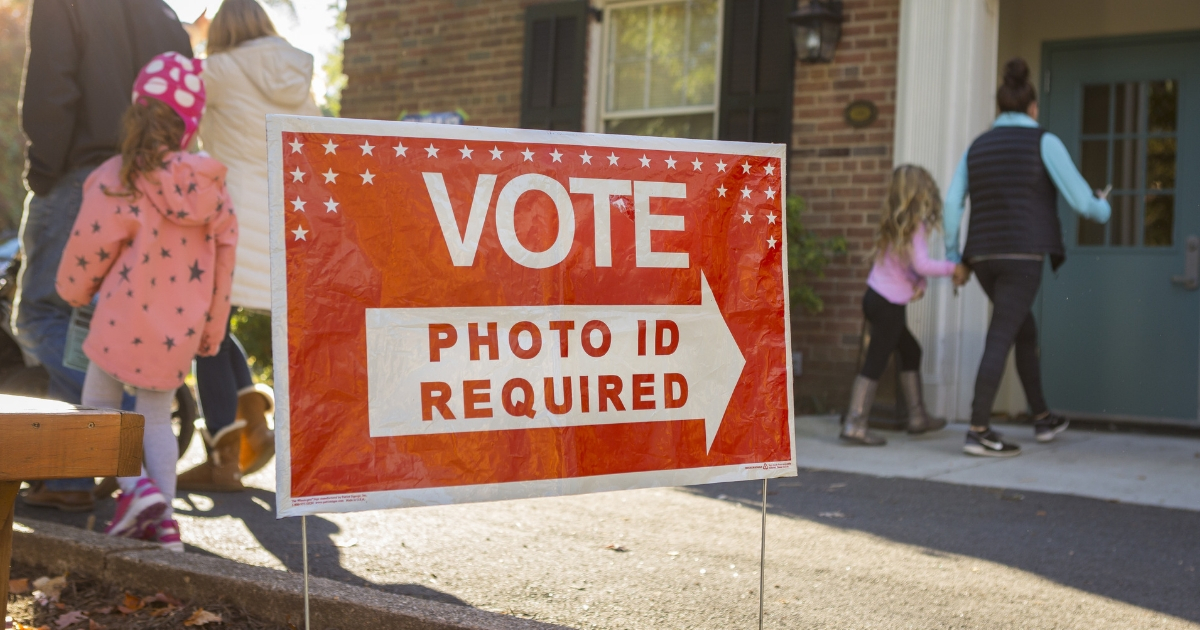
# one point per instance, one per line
(945, 92)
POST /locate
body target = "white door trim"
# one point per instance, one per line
(946, 80)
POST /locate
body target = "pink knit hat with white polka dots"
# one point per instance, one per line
(175, 80)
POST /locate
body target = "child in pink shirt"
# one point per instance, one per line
(902, 262)
(154, 244)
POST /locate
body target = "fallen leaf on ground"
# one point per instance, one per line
(104, 610)
(52, 587)
(17, 625)
(617, 548)
(165, 610)
(92, 625)
(832, 515)
(18, 587)
(202, 617)
(74, 616)
(131, 604)
(162, 597)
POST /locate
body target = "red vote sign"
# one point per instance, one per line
(470, 314)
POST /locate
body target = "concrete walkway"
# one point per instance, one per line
(1162, 471)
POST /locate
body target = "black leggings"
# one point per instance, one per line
(889, 333)
(219, 378)
(1012, 286)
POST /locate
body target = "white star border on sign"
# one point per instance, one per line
(300, 232)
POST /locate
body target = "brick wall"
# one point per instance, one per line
(444, 54)
(436, 55)
(842, 173)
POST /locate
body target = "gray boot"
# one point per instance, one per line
(854, 423)
(918, 420)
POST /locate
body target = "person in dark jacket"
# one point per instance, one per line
(80, 64)
(1014, 174)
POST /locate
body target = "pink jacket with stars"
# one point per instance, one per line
(162, 265)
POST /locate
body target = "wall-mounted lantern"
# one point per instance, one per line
(816, 28)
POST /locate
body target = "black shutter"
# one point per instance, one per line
(757, 71)
(552, 89)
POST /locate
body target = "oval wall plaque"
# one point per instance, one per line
(860, 114)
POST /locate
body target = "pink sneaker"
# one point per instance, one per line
(137, 510)
(167, 534)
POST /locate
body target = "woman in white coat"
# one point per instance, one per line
(251, 72)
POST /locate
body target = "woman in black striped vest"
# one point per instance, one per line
(1013, 174)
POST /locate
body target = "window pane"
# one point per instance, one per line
(1095, 109)
(1095, 163)
(1160, 220)
(1125, 163)
(693, 126)
(667, 31)
(1089, 232)
(628, 85)
(1160, 163)
(1163, 97)
(627, 63)
(1126, 106)
(701, 85)
(1123, 221)
(663, 55)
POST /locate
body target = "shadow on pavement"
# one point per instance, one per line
(1141, 555)
(279, 537)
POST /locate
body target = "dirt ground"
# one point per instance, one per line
(41, 601)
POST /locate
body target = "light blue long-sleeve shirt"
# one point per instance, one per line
(1059, 165)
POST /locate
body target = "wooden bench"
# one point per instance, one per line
(47, 439)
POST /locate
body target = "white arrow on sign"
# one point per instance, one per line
(689, 377)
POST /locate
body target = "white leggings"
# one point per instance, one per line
(159, 446)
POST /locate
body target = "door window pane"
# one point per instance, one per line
(1160, 220)
(1094, 165)
(1095, 108)
(1163, 99)
(1160, 163)
(1126, 107)
(1125, 164)
(1123, 224)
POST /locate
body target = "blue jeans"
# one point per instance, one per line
(219, 378)
(40, 316)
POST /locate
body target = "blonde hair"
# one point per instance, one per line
(149, 131)
(912, 200)
(238, 21)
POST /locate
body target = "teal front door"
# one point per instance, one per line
(1120, 322)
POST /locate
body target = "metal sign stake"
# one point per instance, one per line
(762, 558)
(304, 546)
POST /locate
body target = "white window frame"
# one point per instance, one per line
(597, 79)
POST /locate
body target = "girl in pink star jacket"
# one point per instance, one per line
(154, 244)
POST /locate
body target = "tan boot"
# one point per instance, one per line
(220, 473)
(919, 420)
(258, 440)
(854, 423)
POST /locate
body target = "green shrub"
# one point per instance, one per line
(808, 254)
(253, 329)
